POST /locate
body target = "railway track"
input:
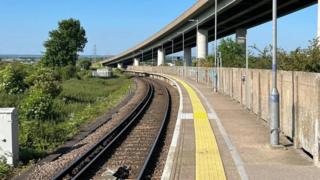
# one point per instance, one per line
(129, 147)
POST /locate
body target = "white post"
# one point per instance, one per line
(9, 141)
(160, 56)
(202, 43)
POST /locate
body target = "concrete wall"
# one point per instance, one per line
(299, 97)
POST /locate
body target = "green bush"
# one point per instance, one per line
(79, 102)
(46, 80)
(85, 64)
(68, 72)
(37, 105)
(4, 168)
(12, 79)
(117, 71)
(232, 53)
(300, 59)
(10, 100)
(83, 74)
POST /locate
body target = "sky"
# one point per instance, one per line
(115, 26)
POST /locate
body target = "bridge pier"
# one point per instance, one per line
(161, 56)
(120, 65)
(187, 56)
(241, 38)
(202, 43)
(136, 62)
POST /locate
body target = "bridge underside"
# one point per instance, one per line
(242, 14)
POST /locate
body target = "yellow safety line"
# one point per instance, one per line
(208, 161)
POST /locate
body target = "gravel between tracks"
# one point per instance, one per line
(156, 172)
(132, 150)
(48, 169)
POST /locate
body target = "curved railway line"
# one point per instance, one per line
(127, 151)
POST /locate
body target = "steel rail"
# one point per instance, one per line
(165, 120)
(77, 168)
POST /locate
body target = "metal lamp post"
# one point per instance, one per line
(184, 60)
(247, 73)
(197, 21)
(274, 98)
(216, 43)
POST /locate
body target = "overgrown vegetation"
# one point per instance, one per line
(4, 168)
(11, 78)
(51, 110)
(57, 96)
(307, 59)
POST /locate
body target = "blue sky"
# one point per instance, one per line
(115, 26)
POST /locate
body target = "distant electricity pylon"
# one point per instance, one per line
(94, 52)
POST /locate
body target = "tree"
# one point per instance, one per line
(85, 64)
(64, 43)
(231, 53)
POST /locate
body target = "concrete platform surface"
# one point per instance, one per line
(242, 139)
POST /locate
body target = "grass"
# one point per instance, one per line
(80, 102)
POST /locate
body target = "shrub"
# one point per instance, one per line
(46, 80)
(117, 71)
(84, 74)
(85, 64)
(68, 72)
(12, 79)
(37, 105)
(10, 100)
(4, 168)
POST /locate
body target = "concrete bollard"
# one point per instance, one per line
(9, 145)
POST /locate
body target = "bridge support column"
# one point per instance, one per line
(202, 43)
(136, 62)
(187, 56)
(241, 38)
(120, 65)
(161, 56)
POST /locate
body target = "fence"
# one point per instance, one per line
(299, 97)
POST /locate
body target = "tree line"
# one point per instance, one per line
(232, 55)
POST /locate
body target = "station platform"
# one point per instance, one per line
(220, 139)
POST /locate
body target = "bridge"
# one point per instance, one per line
(196, 27)
(242, 149)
